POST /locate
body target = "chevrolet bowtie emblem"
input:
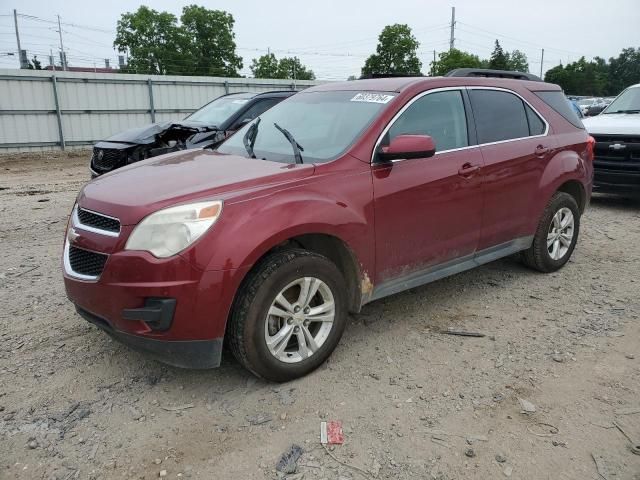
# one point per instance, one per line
(617, 146)
(72, 235)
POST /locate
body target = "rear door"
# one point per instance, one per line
(516, 146)
(428, 210)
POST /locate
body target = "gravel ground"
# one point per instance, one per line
(414, 402)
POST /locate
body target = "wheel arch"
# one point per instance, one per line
(325, 243)
(577, 191)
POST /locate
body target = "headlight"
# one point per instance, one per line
(169, 231)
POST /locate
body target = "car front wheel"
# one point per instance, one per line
(289, 315)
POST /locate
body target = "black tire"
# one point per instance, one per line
(245, 331)
(538, 256)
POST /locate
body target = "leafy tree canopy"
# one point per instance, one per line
(203, 43)
(452, 59)
(499, 60)
(397, 52)
(268, 66)
(518, 61)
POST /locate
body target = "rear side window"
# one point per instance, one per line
(440, 115)
(536, 125)
(559, 103)
(499, 116)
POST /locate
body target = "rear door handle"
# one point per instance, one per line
(541, 150)
(468, 170)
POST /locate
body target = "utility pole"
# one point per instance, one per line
(541, 62)
(294, 76)
(20, 56)
(63, 57)
(453, 27)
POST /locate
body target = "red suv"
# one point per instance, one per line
(336, 197)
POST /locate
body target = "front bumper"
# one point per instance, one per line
(179, 353)
(127, 298)
(118, 302)
(616, 181)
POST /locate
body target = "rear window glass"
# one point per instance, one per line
(499, 116)
(560, 104)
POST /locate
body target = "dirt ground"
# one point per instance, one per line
(414, 402)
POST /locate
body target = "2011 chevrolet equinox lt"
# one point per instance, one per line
(336, 197)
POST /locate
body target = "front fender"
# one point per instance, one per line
(338, 205)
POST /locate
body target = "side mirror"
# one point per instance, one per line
(408, 146)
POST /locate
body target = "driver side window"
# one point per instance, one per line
(440, 115)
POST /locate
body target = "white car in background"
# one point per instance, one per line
(585, 103)
(617, 150)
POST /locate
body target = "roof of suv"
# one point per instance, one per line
(398, 84)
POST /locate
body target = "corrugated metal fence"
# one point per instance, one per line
(44, 110)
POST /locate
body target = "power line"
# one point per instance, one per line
(516, 40)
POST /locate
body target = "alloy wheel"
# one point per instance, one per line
(560, 233)
(299, 320)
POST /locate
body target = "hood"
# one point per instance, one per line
(613, 124)
(132, 192)
(147, 134)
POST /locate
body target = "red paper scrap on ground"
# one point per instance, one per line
(335, 436)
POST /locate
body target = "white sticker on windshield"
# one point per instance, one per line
(241, 101)
(372, 98)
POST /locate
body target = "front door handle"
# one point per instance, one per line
(468, 170)
(541, 151)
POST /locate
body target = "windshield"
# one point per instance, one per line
(216, 112)
(629, 100)
(586, 101)
(323, 124)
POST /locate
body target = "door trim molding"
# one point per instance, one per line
(451, 267)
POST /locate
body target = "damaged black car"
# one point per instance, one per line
(206, 127)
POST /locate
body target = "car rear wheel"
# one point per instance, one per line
(289, 315)
(556, 236)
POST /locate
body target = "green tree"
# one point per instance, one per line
(210, 41)
(156, 44)
(518, 61)
(268, 66)
(153, 40)
(581, 77)
(452, 59)
(291, 67)
(623, 70)
(265, 66)
(499, 59)
(559, 76)
(396, 52)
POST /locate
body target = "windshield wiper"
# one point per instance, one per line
(249, 138)
(297, 148)
(625, 111)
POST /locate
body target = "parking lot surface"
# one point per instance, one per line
(414, 402)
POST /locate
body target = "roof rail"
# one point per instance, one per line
(389, 75)
(486, 72)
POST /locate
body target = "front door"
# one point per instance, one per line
(428, 210)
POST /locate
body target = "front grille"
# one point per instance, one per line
(106, 159)
(96, 220)
(617, 152)
(85, 262)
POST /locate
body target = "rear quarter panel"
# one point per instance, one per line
(570, 162)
